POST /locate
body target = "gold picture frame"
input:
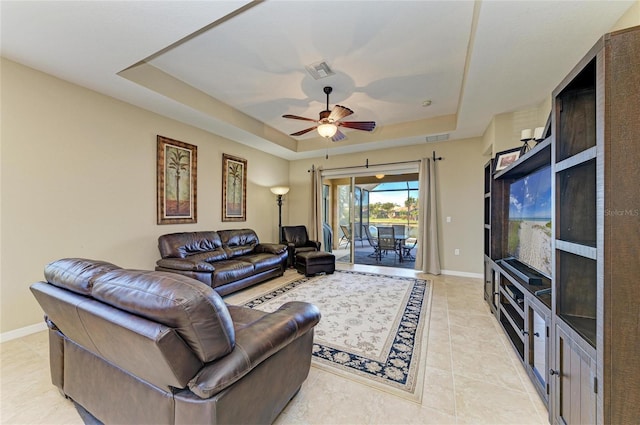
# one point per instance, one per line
(234, 188)
(176, 182)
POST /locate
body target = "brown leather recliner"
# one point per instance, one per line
(135, 346)
(297, 240)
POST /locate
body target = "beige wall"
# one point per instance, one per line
(78, 178)
(460, 186)
(629, 19)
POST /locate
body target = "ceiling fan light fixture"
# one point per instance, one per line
(327, 130)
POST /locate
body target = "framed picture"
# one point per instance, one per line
(234, 188)
(176, 181)
(506, 158)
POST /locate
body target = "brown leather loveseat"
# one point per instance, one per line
(135, 346)
(226, 260)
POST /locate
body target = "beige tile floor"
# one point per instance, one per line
(472, 374)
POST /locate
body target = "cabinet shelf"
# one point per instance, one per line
(580, 249)
(545, 298)
(577, 159)
(584, 326)
(516, 338)
(515, 318)
(536, 158)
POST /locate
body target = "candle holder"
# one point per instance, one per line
(525, 136)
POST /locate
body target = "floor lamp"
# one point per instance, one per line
(280, 191)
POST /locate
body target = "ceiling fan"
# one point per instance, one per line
(329, 121)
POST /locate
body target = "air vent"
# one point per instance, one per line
(319, 70)
(438, 138)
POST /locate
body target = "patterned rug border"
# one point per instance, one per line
(409, 342)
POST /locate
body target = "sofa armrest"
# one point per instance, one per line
(254, 344)
(185, 264)
(270, 248)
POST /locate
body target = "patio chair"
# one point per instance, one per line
(346, 236)
(372, 241)
(400, 234)
(409, 244)
(386, 241)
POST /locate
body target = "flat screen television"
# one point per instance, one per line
(529, 234)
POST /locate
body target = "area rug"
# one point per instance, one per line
(373, 327)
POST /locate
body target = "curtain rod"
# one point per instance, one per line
(366, 165)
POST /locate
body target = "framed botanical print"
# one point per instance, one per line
(176, 181)
(234, 188)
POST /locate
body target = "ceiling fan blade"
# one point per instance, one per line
(305, 131)
(296, 117)
(338, 136)
(338, 112)
(359, 125)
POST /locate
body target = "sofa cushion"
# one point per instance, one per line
(262, 262)
(181, 245)
(238, 241)
(76, 274)
(193, 309)
(230, 271)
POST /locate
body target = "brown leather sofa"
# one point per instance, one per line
(135, 347)
(226, 260)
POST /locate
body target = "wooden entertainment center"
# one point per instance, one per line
(577, 331)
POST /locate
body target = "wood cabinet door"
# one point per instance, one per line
(574, 380)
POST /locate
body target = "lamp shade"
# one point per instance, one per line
(327, 130)
(280, 190)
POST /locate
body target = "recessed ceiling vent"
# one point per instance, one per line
(319, 70)
(438, 138)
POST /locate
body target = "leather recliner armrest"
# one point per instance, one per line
(185, 264)
(254, 344)
(270, 248)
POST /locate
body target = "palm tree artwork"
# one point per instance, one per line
(178, 192)
(234, 205)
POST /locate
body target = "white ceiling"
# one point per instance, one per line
(236, 75)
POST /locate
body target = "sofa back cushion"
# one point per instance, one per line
(183, 245)
(76, 274)
(238, 241)
(193, 309)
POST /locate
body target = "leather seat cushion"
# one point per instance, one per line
(262, 262)
(230, 271)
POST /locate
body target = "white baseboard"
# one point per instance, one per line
(19, 333)
(462, 274)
